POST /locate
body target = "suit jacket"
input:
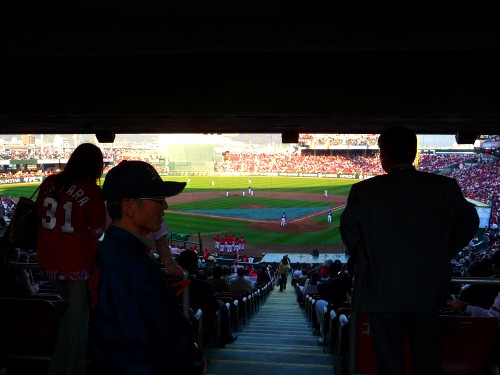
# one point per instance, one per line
(402, 229)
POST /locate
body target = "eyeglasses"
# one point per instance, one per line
(161, 201)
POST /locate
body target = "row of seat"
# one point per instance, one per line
(468, 344)
(29, 333)
(30, 326)
(241, 307)
(331, 316)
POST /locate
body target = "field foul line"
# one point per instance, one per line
(317, 213)
(218, 216)
(255, 220)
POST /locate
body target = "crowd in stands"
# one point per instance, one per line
(116, 154)
(294, 163)
(330, 140)
(37, 173)
(437, 162)
(479, 181)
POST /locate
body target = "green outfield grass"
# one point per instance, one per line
(285, 184)
(196, 184)
(18, 190)
(210, 226)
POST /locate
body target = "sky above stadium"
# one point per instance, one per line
(426, 140)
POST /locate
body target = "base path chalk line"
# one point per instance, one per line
(338, 208)
(255, 220)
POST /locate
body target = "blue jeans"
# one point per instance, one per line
(71, 347)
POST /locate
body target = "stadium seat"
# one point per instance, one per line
(242, 304)
(343, 340)
(466, 343)
(365, 357)
(29, 333)
(210, 323)
(197, 326)
(234, 310)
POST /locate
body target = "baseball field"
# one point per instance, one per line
(252, 207)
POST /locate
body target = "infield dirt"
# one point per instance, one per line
(300, 225)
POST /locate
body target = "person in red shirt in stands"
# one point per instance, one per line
(72, 216)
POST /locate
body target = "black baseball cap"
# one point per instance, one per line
(137, 179)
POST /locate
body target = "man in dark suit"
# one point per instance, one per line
(402, 229)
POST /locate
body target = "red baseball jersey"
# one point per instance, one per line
(70, 224)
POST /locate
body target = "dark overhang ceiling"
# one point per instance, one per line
(255, 66)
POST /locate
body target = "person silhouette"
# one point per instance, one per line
(402, 230)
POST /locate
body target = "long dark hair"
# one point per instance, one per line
(85, 163)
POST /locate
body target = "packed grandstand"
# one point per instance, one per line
(477, 173)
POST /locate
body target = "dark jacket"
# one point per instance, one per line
(334, 290)
(135, 324)
(402, 229)
(202, 292)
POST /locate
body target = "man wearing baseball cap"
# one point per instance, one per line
(139, 180)
(135, 325)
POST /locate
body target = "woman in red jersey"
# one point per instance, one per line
(72, 218)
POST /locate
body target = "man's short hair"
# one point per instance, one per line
(399, 144)
(240, 271)
(188, 260)
(114, 209)
(217, 272)
(334, 268)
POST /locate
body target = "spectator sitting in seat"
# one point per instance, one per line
(493, 312)
(301, 278)
(474, 294)
(323, 272)
(219, 283)
(263, 275)
(297, 273)
(20, 280)
(241, 283)
(311, 286)
(333, 292)
(203, 293)
(491, 291)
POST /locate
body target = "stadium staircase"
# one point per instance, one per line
(277, 340)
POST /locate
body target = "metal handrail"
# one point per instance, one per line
(476, 280)
(185, 297)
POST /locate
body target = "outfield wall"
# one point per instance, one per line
(352, 176)
(20, 180)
